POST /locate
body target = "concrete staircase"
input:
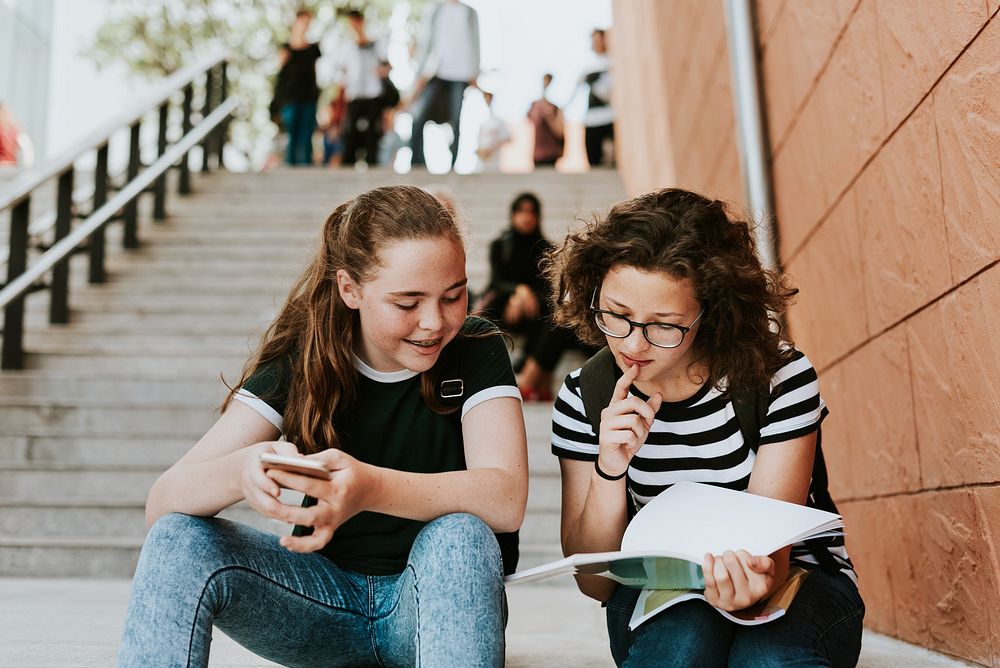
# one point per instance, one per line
(111, 400)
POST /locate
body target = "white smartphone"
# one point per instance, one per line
(295, 464)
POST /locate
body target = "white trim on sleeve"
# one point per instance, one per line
(490, 393)
(262, 407)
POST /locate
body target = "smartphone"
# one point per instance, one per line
(295, 464)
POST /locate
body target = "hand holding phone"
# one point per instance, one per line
(313, 468)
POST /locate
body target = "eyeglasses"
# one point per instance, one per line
(660, 334)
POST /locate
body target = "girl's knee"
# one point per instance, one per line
(178, 541)
(457, 540)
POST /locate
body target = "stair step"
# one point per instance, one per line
(103, 418)
(111, 400)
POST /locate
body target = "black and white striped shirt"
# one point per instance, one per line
(698, 439)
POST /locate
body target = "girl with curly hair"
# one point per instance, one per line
(372, 369)
(671, 284)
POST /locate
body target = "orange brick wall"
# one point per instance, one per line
(884, 120)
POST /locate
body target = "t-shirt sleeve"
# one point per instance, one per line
(486, 371)
(796, 407)
(572, 435)
(266, 391)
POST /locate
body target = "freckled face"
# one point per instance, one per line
(655, 296)
(413, 306)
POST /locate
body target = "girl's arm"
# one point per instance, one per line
(736, 580)
(494, 487)
(214, 474)
(594, 515)
(594, 518)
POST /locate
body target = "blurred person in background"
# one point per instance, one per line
(547, 119)
(364, 89)
(448, 63)
(16, 148)
(516, 298)
(297, 93)
(599, 119)
(333, 128)
(493, 134)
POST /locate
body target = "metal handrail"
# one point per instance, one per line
(211, 132)
(99, 218)
(22, 186)
(38, 227)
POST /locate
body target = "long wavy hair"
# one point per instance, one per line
(684, 235)
(313, 337)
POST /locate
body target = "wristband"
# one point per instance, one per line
(597, 467)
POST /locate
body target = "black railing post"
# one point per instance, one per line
(12, 356)
(223, 128)
(184, 182)
(160, 185)
(131, 239)
(100, 198)
(59, 292)
(206, 109)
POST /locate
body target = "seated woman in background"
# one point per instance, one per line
(515, 297)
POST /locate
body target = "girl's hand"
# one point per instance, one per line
(352, 487)
(625, 424)
(737, 580)
(260, 491)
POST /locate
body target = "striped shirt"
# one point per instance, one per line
(698, 439)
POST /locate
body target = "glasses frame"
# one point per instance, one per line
(632, 324)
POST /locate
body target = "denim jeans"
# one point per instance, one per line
(426, 109)
(299, 119)
(447, 608)
(821, 628)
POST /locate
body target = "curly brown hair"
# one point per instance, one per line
(311, 341)
(688, 236)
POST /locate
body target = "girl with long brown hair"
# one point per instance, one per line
(671, 284)
(372, 369)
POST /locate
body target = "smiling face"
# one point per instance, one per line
(651, 296)
(412, 307)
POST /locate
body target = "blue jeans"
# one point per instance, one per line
(299, 119)
(447, 608)
(821, 628)
(437, 96)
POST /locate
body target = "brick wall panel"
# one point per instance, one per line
(792, 62)
(874, 557)
(957, 577)
(768, 12)
(967, 112)
(799, 183)
(903, 236)
(725, 181)
(850, 123)
(915, 47)
(955, 357)
(881, 427)
(988, 511)
(837, 444)
(828, 273)
(904, 556)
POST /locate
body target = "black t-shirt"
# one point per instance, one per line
(297, 79)
(389, 425)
